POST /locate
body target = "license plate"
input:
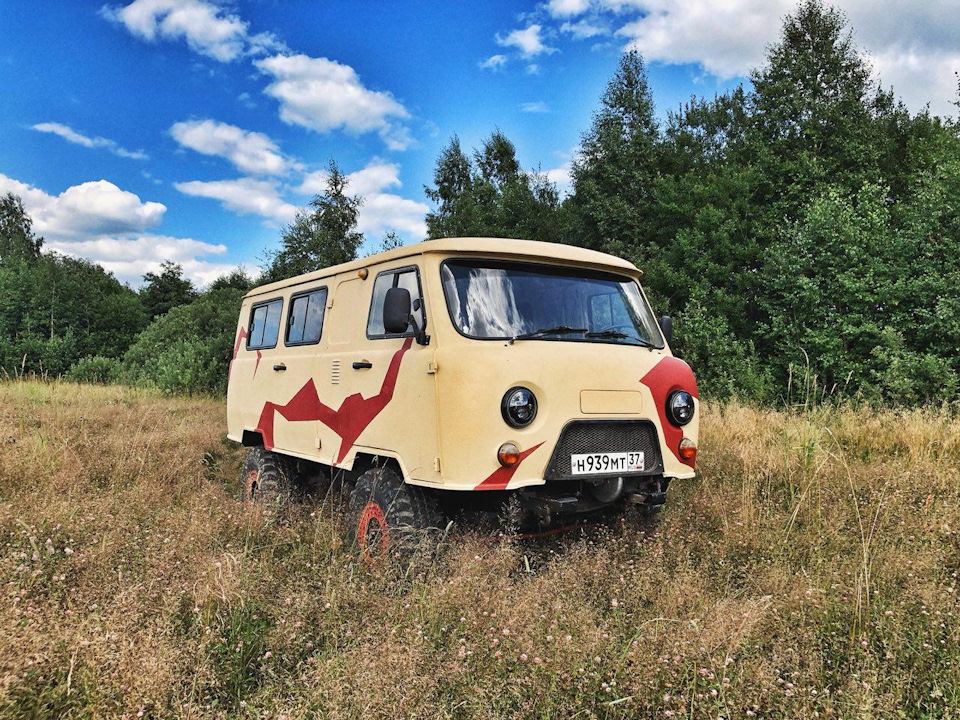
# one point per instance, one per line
(602, 463)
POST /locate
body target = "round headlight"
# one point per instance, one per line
(680, 408)
(518, 407)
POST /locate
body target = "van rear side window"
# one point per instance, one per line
(306, 317)
(264, 325)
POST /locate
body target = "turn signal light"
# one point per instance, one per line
(688, 450)
(508, 454)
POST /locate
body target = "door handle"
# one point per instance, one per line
(279, 366)
(362, 365)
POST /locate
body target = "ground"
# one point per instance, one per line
(810, 570)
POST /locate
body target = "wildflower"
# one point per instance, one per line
(67, 551)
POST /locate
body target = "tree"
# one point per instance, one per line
(322, 236)
(17, 241)
(453, 177)
(390, 241)
(189, 348)
(613, 177)
(58, 309)
(236, 280)
(161, 293)
(491, 195)
(810, 113)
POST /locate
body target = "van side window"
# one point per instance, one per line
(408, 278)
(264, 325)
(306, 317)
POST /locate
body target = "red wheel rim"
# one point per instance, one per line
(372, 534)
(250, 487)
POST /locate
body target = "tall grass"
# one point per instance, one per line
(810, 570)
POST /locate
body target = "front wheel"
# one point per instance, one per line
(390, 516)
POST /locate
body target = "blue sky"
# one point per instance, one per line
(192, 129)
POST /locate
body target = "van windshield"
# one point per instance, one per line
(507, 300)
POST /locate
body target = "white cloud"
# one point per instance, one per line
(244, 196)
(528, 41)
(583, 29)
(129, 258)
(913, 43)
(71, 135)
(534, 107)
(250, 152)
(205, 27)
(494, 62)
(533, 69)
(323, 95)
(727, 39)
(920, 76)
(386, 211)
(102, 223)
(91, 208)
(567, 8)
(561, 177)
(380, 211)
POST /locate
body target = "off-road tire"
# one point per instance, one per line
(267, 482)
(392, 518)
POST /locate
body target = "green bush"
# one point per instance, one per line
(97, 369)
(188, 350)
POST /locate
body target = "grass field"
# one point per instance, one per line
(810, 571)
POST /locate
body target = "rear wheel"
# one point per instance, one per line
(392, 517)
(266, 481)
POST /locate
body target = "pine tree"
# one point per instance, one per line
(613, 177)
(322, 236)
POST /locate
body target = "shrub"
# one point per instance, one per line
(96, 369)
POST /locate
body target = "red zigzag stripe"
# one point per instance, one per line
(348, 421)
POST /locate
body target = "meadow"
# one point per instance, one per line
(809, 571)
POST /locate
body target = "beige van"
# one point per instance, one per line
(461, 374)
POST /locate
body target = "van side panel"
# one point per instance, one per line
(346, 395)
(385, 396)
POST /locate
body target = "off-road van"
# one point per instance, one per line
(462, 373)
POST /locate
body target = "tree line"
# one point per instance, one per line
(804, 226)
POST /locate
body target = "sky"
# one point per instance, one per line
(193, 130)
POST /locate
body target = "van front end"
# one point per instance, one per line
(555, 385)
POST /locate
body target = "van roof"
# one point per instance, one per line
(527, 249)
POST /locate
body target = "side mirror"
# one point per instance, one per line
(396, 310)
(666, 327)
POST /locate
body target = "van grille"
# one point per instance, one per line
(335, 372)
(593, 436)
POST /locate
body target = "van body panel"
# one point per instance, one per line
(436, 408)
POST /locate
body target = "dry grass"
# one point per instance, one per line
(810, 571)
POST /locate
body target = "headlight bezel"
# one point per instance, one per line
(506, 407)
(678, 417)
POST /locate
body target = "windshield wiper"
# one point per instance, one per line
(616, 334)
(558, 330)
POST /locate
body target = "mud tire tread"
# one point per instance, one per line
(275, 486)
(413, 516)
